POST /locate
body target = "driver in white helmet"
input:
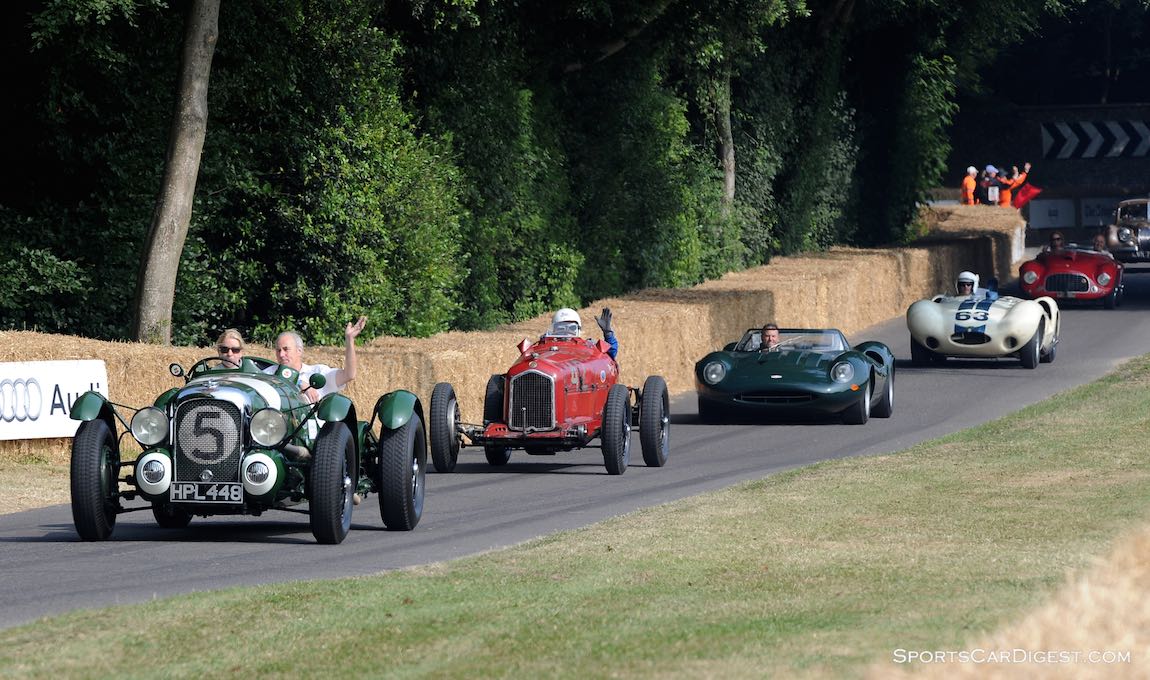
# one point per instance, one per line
(566, 323)
(966, 284)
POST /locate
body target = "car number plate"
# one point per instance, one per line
(207, 492)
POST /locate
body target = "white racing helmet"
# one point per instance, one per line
(966, 277)
(566, 322)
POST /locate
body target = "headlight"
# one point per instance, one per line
(260, 474)
(1125, 234)
(714, 372)
(1029, 276)
(269, 427)
(842, 372)
(154, 473)
(1103, 279)
(150, 426)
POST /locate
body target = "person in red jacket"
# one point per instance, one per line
(968, 185)
(1009, 184)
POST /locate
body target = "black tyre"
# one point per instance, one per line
(493, 413)
(95, 466)
(1029, 355)
(169, 516)
(919, 355)
(885, 406)
(332, 484)
(1111, 300)
(655, 422)
(1048, 357)
(708, 412)
(444, 427)
(402, 475)
(859, 412)
(616, 433)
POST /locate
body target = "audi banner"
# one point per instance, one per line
(36, 396)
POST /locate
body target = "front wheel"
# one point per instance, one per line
(444, 427)
(616, 433)
(332, 489)
(859, 412)
(1030, 355)
(919, 355)
(169, 516)
(885, 406)
(95, 464)
(402, 475)
(655, 422)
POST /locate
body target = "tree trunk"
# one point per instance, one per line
(721, 107)
(156, 285)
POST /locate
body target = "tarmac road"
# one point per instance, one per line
(48, 570)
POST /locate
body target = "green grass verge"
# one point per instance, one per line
(818, 572)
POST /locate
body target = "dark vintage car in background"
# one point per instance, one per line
(1128, 235)
(236, 441)
(1074, 274)
(812, 372)
(559, 395)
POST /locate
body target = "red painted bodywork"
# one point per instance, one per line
(1071, 261)
(583, 374)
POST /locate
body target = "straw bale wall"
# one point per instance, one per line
(661, 332)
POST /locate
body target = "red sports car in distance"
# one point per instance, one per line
(1073, 273)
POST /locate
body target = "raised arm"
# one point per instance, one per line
(347, 373)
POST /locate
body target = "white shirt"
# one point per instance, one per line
(305, 373)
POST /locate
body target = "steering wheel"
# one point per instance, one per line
(210, 364)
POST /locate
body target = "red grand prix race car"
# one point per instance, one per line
(1073, 273)
(562, 393)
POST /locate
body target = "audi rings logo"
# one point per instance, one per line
(20, 399)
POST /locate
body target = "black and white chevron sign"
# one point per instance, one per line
(1096, 139)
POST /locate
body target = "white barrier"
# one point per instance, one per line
(36, 396)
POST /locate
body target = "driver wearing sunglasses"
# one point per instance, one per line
(230, 347)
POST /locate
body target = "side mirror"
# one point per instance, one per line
(316, 380)
(176, 370)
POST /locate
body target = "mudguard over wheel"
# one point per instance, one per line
(1031, 351)
(859, 412)
(885, 406)
(444, 427)
(169, 516)
(402, 475)
(492, 413)
(655, 422)
(332, 486)
(94, 469)
(616, 433)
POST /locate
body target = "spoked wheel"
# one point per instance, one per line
(95, 465)
(332, 485)
(655, 422)
(493, 413)
(444, 427)
(616, 434)
(402, 475)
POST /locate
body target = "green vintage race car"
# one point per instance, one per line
(234, 440)
(811, 372)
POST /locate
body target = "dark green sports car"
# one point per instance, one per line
(809, 372)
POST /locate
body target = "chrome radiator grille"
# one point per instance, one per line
(532, 402)
(207, 439)
(1067, 283)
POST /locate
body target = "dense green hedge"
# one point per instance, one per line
(461, 163)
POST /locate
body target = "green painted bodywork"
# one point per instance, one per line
(394, 409)
(88, 406)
